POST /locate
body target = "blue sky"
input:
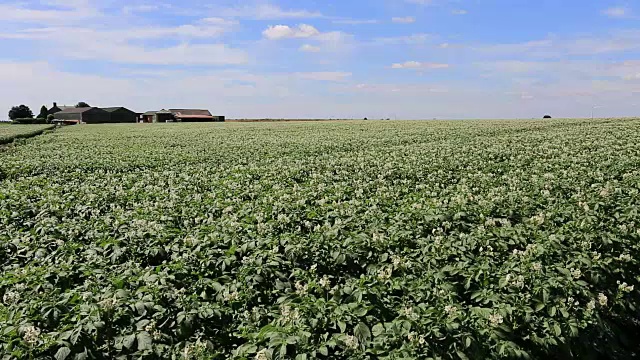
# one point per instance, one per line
(413, 59)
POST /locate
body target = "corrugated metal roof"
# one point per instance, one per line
(112, 109)
(191, 112)
(75, 110)
(194, 116)
(150, 113)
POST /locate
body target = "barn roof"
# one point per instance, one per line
(193, 113)
(75, 110)
(150, 113)
(112, 109)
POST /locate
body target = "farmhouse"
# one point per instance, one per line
(56, 108)
(180, 115)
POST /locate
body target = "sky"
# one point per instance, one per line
(404, 59)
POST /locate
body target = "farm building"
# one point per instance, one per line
(181, 115)
(195, 115)
(121, 115)
(157, 116)
(91, 115)
(56, 108)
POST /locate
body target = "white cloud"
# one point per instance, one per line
(309, 48)
(414, 39)
(75, 11)
(404, 20)
(266, 12)
(419, 65)
(617, 12)
(333, 76)
(459, 12)
(115, 46)
(278, 32)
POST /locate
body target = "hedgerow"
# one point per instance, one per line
(358, 240)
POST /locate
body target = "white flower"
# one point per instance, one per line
(150, 326)
(451, 310)
(624, 287)
(591, 305)
(231, 296)
(537, 266)
(495, 319)
(625, 257)
(576, 273)
(31, 335)
(11, 297)
(602, 299)
(109, 303)
(351, 342)
(262, 355)
(325, 282)
(301, 288)
(396, 260)
(385, 273)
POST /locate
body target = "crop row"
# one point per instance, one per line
(359, 240)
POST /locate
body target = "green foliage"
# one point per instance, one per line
(82, 104)
(44, 112)
(353, 240)
(8, 133)
(29, 121)
(20, 112)
(50, 118)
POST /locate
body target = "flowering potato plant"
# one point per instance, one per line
(343, 240)
(9, 132)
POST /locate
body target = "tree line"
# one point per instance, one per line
(22, 114)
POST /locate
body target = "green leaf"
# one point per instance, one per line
(377, 330)
(128, 341)
(62, 353)
(362, 332)
(301, 357)
(343, 326)
(539, 306)
(145, 342)
(324, 350)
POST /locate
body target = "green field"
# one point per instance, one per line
(329, 240)
(9, 132)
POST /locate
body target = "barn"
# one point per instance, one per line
(195, 115)
(121, 115)
(90, 115)
(56, 108)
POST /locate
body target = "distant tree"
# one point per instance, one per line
(50, 118)
(43, 112)
(82, 104)
(20, 112)
(547, 117)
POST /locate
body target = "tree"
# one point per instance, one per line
(20, 112)
(43, 112)
(82, 104)
(50, 118)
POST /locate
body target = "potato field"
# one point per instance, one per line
(10, 132)
(322, 240)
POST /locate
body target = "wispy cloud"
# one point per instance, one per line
(267, 12)
(617, 12)
(309, 48)
(404, 20)
(278, 32)
(417, 65)
(459, 12)
(333, 76)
